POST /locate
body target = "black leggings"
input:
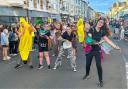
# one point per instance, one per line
(89, 58)
(11, 47)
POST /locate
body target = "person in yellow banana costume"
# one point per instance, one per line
(80, 30)
(25, 34)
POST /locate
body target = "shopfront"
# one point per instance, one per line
(11, 15)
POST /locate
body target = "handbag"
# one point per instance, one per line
(67, 45)
(87, 49)
(106, 47)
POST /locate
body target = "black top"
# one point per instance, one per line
(117, 25)
(42, 35)
(68, 37)
(96, 36)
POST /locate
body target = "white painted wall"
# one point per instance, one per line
(31, 5)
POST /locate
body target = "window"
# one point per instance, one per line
(41, 4)
(35, 3)
(47, 4)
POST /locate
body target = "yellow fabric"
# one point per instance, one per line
(25, 45)
(80, 30)
(50, 20)
(33, 34)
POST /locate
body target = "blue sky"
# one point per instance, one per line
(101, 5)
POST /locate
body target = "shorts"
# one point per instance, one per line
(4, 46)
(43, 47)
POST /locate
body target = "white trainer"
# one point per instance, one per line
(74, 69)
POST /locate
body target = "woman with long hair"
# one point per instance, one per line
(97, 33)
(56, 34)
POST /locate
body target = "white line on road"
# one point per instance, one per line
(126, 65)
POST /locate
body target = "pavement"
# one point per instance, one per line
(114, 74)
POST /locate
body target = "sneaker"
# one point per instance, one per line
(14, 54)
(25, 62)
(68, 57)
(18, 66)
(31, 67)
(100, 84)
(49, 67)
(11, 54)
(53, 55)
(40, 66)
(4, 59)
(74, 69)
(54, 68)
(8, 58)
(86, 77)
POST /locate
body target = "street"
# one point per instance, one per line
(26, 24)
(64, 78)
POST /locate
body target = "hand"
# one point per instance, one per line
(60, 38)
(96, 43)
(118, 48)
(46, 36)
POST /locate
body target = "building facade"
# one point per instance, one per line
(90, 13)
(66, 10)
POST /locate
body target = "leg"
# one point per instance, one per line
(19, 64)
(13, 47)
(6, 52)
(89, 58)
(16, 46)
(98, 64)
(30, 60)
(46, 54)
(59, 57)
(54, 48)
(10, 47)
(40, 66)
(3, 51)
(72, 58)
(41, 58)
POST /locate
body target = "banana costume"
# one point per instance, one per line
(50, 20)
(25, 45)
(80, 30)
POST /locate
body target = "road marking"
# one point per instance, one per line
(126, 65)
